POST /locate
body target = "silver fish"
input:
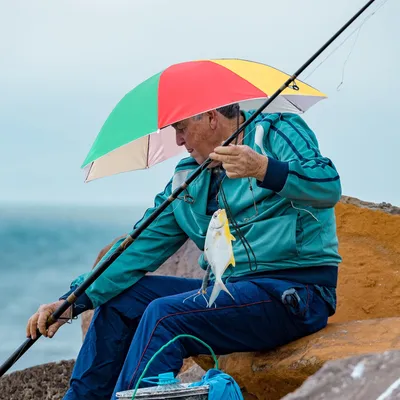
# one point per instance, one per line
(218, 251)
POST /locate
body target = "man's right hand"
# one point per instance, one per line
(39, 320)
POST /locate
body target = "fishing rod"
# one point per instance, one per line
(28, 343)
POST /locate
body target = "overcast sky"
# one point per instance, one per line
(65, 64)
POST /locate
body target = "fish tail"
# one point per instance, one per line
(218, 286)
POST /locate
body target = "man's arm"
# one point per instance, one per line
(297, 170)
(161, 239)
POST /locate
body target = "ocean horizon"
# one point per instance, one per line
(43, 248)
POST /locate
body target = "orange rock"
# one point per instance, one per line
(273, 374)
(369, 276)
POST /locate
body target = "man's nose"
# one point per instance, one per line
(180, 141)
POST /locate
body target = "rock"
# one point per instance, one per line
(51, 381)
(273, 374)
(192, 374)
(368, 377)
(86, 318)
(369, 276)
(183, 263)
(187, 364)
(43, 382)
(385, 207)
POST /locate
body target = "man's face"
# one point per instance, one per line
(197, 135)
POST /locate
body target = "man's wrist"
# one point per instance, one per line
(275, 175)
(82, 304)
(262, 169)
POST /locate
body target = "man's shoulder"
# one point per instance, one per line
(265, 123)
(273, 117)
(182, 170)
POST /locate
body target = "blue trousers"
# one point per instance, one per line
(126, 331)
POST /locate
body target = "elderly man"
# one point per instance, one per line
(280, 193)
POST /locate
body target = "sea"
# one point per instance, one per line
(42, 249)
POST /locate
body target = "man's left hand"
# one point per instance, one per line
(240, 161)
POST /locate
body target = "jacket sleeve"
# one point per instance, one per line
(160, 240)
(296, 169)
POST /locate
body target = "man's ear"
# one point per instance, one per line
(212, 116)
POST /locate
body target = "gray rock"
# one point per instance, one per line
(383, 206)
(367, 377)
(184, 263)
(43, 382)
(193, 374)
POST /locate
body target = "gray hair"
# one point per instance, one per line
(230, 112)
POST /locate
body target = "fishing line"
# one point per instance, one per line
(196, 182)
(232, 219)
(347, 58)
(236, 226)
(347, 37)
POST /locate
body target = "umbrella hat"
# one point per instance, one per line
(138, 133)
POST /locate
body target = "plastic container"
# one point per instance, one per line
(178, 391)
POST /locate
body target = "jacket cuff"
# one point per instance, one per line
(276, 175)
(82, 304)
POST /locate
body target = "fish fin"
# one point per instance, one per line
(218, 286)
(232, 260)
(232, 237)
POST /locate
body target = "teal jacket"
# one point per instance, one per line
(288, 219)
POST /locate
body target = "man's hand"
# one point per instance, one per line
(39, 320)
(240, 161)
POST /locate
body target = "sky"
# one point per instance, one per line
(64, 65)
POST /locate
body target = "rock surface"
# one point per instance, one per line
(369, 276)
(192, 374)
(51, 381)
(369, 377)
(276, 373)
(43, 382)
(385, 207)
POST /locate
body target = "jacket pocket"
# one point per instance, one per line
(297, 300)
(296, 297)
(273, 239)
